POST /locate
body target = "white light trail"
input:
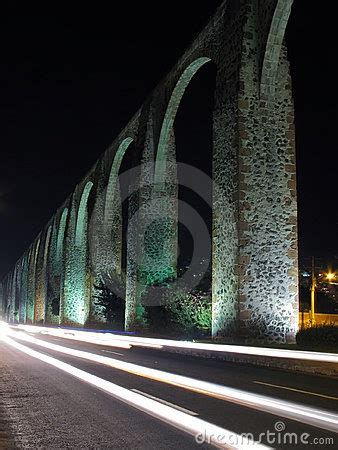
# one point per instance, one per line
(178, 419)
(110, 339)
(165, 402)
(301, 413)
(4, 329)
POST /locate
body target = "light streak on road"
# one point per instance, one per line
(4, 329)
(301, 413)
(178, 419)
(165, 402)
(90, 338)
(110, 339)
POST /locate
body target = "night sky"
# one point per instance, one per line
(72, 76)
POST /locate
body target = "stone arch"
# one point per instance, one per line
(162, 234)
(61, 236)
(105, 233)
(111, 186)
(274, 47)
(110, 248)
(41, 279)
(32, 280)
(26, 284)
(23, 296)
(75, 303)
(56, 267)
(81, 221)
(45, 270)
(169, 118)
(159, 255)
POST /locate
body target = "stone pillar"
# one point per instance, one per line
(42, 281)
(32, 281)
(77, 283)
(268, 257)
(224, 228)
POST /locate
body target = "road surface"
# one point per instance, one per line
(44, 406)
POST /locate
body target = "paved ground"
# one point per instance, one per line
(6, 441)
(47, 408)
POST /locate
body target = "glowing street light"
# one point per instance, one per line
(313, 293)
(329, 277)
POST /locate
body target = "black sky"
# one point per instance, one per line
(72, 75)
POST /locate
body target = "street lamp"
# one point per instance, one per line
(330, 277)
(313, 293)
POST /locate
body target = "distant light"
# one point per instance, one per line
(330, 276)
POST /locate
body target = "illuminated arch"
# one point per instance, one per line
(23, 297)
(61, 235)
(74, 305)
(81, 222)
(169, 118)
(36, 251)
(45, 270)
(274, 46)
(113, 177)
(41, 280)
(32, 280)
(45, 255)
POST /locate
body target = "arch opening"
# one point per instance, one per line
(184, 153)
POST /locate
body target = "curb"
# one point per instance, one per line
(290, 365)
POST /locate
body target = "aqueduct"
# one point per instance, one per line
(254, 223)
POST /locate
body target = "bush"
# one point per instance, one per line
(189, 311)
(141, 317)
(111, 304)
(321, 335)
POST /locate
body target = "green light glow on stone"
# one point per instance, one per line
(75, 305)
(82, 219)
(32, 281)
(24, 289)
(61, 235)
(113, 179)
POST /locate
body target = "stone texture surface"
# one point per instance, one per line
(254, 232)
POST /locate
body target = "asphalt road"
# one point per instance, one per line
(44, 407)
